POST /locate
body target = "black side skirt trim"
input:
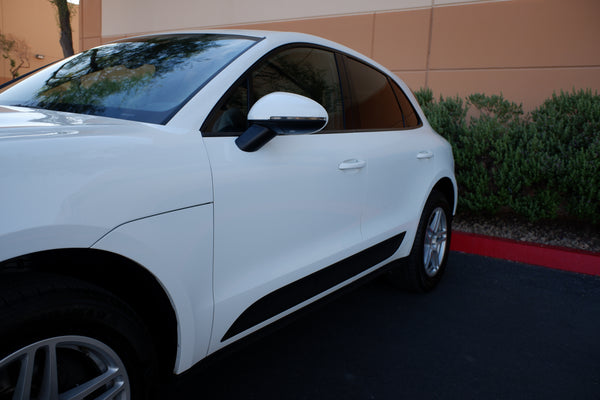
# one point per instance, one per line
(303, 289)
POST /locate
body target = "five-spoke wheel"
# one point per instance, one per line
(426, 262)
(434, 247)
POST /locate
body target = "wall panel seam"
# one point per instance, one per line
(429, 40)
(372, 50)
(545, 67)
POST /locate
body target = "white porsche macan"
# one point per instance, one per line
(167, 195)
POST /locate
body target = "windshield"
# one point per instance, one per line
(146, 79)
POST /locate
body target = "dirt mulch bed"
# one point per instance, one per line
(576, 236)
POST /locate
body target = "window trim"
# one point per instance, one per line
(344, 87)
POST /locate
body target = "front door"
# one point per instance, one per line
(280, 213)
(287, 210)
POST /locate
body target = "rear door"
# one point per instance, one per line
(396, 148)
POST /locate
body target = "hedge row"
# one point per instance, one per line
(541, 165)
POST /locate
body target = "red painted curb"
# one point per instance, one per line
(584, 262)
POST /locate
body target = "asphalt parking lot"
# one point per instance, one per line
(492, 330)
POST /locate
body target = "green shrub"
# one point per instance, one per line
(544, 165)
(447, 116)
(570, 125)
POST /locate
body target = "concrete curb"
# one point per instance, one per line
(583, 262)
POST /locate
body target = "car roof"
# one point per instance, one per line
(271, 38)
(259, 34)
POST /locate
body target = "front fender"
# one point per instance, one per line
(48, 237)
(176, 247)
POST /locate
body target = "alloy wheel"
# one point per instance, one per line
(64, 368)
(436, 236)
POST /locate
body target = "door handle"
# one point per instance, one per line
(352, 164)
(423, 155)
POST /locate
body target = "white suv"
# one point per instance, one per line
(164, 196)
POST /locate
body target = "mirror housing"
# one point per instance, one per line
(281, 113)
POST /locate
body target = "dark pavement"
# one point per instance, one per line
(492, 330)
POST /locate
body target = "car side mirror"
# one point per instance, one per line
(281, 113)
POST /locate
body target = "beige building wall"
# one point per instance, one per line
(36, 23)
(524, 49)
(90, 19)
(154, 15)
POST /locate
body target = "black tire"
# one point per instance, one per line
(92, 331)
(415, 273)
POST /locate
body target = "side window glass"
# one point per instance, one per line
(231, 117)
(411, 118)
(308, 72)
(373, 100)
(305, 71)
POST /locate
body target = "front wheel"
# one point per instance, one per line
(65, 367)
(61, 338)
(426, 263)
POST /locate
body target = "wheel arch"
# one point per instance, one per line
(98, 267)
(447, 188)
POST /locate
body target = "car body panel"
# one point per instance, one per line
(397, 179)
(60, 173)
(177, 248)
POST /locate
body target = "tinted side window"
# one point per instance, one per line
(308, 72)
(374, 103)
(231, 117)
(411, 118)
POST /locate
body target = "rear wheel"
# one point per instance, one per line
(426, 263)
(62, 338)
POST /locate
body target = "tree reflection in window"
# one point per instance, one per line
(146, 79)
